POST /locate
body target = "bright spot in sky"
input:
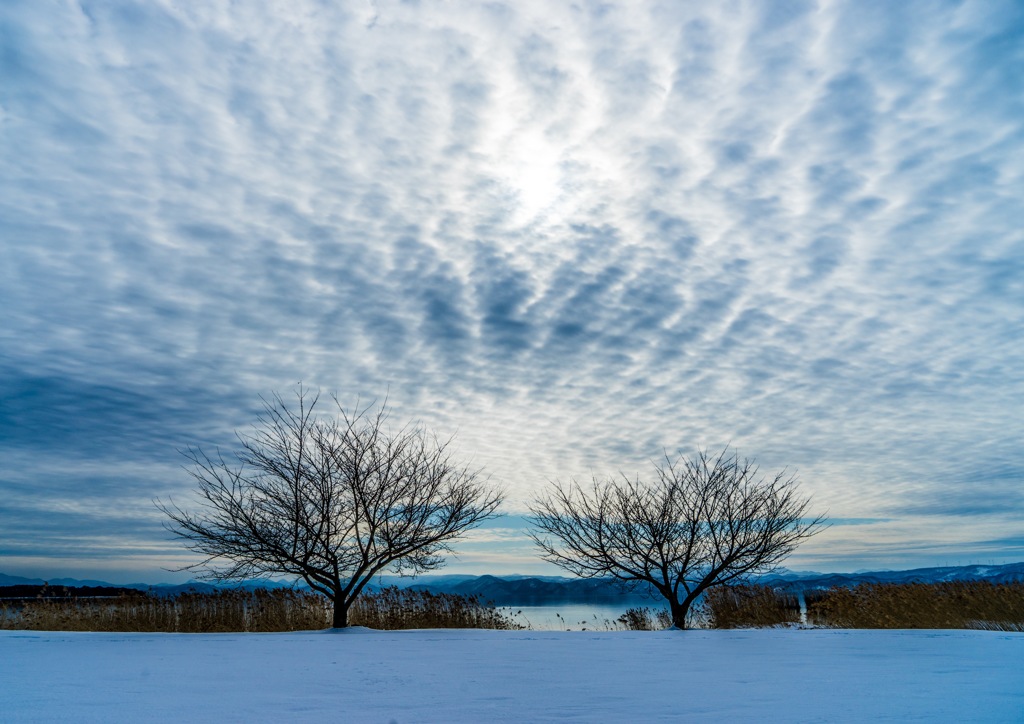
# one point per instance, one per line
(533, 173)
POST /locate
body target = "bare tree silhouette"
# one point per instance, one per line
(333, 500)
(706, 521)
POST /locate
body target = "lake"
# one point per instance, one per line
(574, 616)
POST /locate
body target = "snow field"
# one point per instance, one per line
(514, 676)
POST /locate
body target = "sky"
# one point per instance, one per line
(577, 236)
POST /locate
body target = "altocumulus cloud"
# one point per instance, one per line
(576, 234)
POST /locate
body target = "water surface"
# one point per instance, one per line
(575, 616)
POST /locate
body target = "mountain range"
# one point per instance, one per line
(520, 590)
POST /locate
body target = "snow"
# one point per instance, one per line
(360, 675)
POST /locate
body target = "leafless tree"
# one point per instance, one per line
(331, 499)
(706, 521)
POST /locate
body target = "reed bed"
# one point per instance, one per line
(250, 611)
(402, 608)
(748, 605)
(956, 605)
(963, 605)
(218, 612)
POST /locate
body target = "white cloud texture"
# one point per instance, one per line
(576, 234)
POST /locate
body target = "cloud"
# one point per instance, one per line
(576, 234)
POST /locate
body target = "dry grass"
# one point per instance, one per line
(251, 611)
(958, 604)
(223, 611)
(967, 605)
(396, 608)
(740, 606)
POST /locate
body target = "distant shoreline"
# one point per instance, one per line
(553, 591)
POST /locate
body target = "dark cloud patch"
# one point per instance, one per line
(251, 110)
(502, 294)
(735, 152)
(862, 209)
(916, 159)
(581, 318)
(20, 58)
(436, 296)
(1001, 279)
(845, 114)
(94, 530)
(1012, 545)
(444, 304)
(666, 162)
(469, 100)
(835, 183)
(776, 16)
(54, 413)
(990, 68)
(877, 36)
(647, 302)
(713, 300)
(676, 233)
(977, 501)
(538, 65)
(963, 177)
(147, 26)
(828, 368)
(631, 82)
(208, 233)
(696, 69)
(824, 255)
(751, 323)
(857, 521)
(754, 211)
(592, 241)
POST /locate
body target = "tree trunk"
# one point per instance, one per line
(340, 614)
(678, 611)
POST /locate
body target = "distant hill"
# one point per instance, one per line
(544, 590)
(810, 581)
(24, 591)
(528, 591)
(163, 589)
(6, 580)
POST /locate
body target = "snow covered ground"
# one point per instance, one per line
(530, 676)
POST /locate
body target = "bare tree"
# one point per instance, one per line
(333, 500)
(706, 521)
